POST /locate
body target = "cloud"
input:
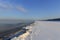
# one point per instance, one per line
(21, 9)
(5, 6)
(10, 6)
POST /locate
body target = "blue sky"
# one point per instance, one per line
(29, 9)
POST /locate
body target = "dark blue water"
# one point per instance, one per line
(9, 25)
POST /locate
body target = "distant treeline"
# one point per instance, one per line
(56, 19)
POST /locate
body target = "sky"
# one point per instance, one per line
(29, 9)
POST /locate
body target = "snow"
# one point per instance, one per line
(45, 30)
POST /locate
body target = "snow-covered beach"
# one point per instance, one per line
(45, 30)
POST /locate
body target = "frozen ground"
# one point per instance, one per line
(44, 30)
